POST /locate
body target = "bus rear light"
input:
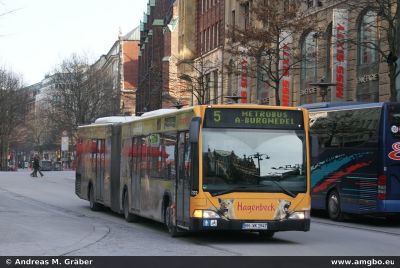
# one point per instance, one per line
(382, 180)
(381, 196)
(381, 187)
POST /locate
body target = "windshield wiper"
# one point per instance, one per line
(236, 189)
(286, 191)
(231, 190)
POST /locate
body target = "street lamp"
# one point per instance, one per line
(323, 87)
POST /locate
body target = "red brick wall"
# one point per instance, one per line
(131, 64)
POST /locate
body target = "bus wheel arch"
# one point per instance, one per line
(165, 204)
(333, 205)
(173, 230)
(94, 206)
(129, 217)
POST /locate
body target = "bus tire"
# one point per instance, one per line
(129, 217)
(94, 206)
(333, 206)
(172, 229)
(266, 234)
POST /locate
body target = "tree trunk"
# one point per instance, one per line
(392, 76)
(277, 80)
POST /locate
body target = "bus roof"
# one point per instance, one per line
(330, 106)
(115, 119)
(163, 112)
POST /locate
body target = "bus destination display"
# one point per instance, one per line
(253, 118)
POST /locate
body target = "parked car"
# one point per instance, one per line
(57, 166)
(46, 165)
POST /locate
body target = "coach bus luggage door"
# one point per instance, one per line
(100, 165)
(183, 177)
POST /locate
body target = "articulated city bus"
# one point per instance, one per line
(356, 168)
(217, 167)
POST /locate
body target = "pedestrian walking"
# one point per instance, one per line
(36, 167)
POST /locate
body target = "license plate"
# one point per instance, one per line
(255, 226)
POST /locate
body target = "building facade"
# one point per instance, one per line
(333, 50)
(159, 82)
(121, 66)
(330, 49)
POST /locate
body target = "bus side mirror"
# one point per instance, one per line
(194, 130)
(314, 146)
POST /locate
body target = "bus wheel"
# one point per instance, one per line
(129, 217)
(334, 210)
(93, 204)
(266, 234)
(172, 229)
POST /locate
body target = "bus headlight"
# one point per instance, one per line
(300, 215)
(205, 214)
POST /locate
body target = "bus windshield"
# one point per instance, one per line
(252, 160)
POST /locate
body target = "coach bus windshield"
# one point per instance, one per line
(254, 160)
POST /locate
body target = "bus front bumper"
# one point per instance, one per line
(198, 224)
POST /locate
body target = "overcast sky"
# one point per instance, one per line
(38, 34)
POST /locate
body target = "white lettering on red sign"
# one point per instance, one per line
(285, 74)
(340, 58)
(243, 93)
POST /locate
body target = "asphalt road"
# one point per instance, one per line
(43, 217)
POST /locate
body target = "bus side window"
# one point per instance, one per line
(181, 155)
(184, 156)
(188, 159)
(142, 157)
(134, 156)
(169, 158)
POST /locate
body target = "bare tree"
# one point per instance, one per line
(196, 82)
(13, 103)
(382, 22)
(268, 39)
(78, 93)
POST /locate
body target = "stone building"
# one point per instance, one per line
(330, 50)
(185, 46)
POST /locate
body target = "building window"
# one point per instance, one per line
(368, 37)
(215, 95)
(207, 88)
(246, 14)
(309, 52)
(368, 58)
(233, 24)
(230, 78)
(328, 60)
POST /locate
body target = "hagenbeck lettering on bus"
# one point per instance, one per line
(253, 118)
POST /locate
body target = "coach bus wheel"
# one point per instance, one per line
(266, 234)
(129, 217)
(93, 204)
(172, 229)
(334, 210)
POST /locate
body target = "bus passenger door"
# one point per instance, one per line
(183, 179)
(135, 178)
(100, 165)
